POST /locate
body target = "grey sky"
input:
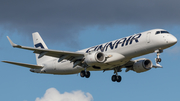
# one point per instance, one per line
(63, 19)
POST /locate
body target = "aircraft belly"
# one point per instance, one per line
(64, 68)
(106, 66)
(61, 68)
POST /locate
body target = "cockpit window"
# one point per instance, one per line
(164, 32)
(161, 32)
(158, 32)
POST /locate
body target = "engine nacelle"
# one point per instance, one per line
(142, 65)
(94, 58)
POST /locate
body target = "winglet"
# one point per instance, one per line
(12, 44)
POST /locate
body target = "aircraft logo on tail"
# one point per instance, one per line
(39, 45)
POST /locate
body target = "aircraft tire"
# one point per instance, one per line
(158, 59)
(87, 74)
(119, 78)
(82, 74)
(114, 78)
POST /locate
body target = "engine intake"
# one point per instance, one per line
(142, 65)
(95, 58)
(100, 57)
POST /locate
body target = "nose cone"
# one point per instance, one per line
(172, 40)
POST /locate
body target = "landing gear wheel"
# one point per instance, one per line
(82, 74)
(113, 78)
(119, 78)
(116, 78)
(87, 74)
(159, 59)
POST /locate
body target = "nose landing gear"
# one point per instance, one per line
(158, 59)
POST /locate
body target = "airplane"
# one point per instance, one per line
(113, 55)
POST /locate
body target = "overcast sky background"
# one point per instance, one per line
(72, 25)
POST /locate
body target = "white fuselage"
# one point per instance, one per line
(127, 48)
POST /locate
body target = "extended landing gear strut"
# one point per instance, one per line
(158, 59)
(116, 77)
(85, 73)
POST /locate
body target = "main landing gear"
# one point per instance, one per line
(116, 77)
(85, 73)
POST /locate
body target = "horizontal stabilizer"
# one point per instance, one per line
(24, 65)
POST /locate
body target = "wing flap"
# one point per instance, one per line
(24, 65)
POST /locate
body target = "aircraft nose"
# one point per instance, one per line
(172, 40)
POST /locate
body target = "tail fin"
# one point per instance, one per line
(39, 43)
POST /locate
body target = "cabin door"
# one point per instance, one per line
(148, 38)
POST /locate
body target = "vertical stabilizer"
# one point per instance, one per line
(39, 43)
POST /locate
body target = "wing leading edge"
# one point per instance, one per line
(53, 53)
(24, 65)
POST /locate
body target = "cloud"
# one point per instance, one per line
(61, 20)
(53, 95)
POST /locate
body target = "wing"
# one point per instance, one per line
(129, 65)
(24, 65)
(72, 56)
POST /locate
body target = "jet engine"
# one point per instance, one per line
(142, 65)
(94, 58)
